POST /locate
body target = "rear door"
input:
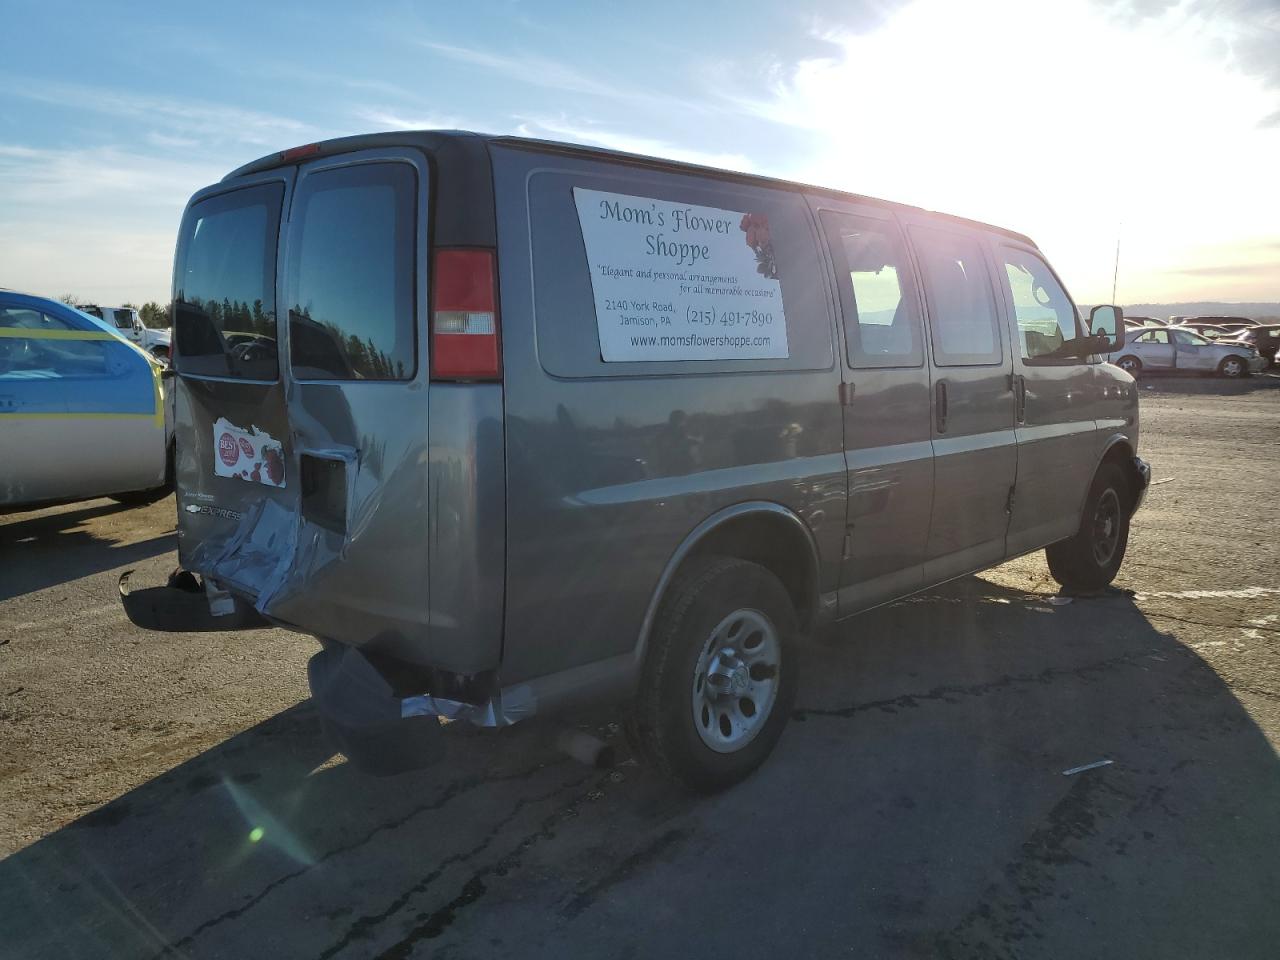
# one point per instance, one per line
(887, 436)
(312, 448)
(974, 446)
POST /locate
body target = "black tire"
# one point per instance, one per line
(1233, 368)
(1091, 559)
(1130, 364)
(662, 726)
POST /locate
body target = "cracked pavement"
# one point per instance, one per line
(171, 795)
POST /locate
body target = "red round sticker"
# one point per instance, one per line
(246, 447)
(228, 450)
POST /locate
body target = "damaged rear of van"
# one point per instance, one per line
(511, 425)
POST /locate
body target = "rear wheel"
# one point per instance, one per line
(1130, 365)
(1091, 559)
(1233, 367)
(719, 679)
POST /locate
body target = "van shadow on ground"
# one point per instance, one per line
(57, 547)
(915, 807)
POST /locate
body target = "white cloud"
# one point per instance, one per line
(385, 119)
(539, 71)
(71, 178)
(187, 118)
(1062, 126)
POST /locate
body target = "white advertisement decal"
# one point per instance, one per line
(673, 281)
(247, 454)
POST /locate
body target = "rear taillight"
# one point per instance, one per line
(464, 316)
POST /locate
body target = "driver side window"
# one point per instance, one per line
(1046, 318)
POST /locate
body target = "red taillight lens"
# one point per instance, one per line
(464, 316)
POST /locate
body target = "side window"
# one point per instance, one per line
(33, 358)
(963, 324)
(1155, 336)
(226, 280)
(24, 318)
(1046, 319)
(881, 321)
(351, 274)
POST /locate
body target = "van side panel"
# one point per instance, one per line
(610, 466)
(466, 489)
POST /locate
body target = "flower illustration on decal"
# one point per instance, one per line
(756, 228)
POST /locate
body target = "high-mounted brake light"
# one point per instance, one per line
(464, 316)
(297, 153)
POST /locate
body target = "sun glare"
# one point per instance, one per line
(1059, 121)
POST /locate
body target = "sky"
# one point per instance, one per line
(1078, 122)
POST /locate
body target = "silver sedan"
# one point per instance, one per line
(1182, 350)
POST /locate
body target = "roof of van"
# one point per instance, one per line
(432, 139)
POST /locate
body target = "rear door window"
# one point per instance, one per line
(964, 326)
(226, 280)
(351, 274)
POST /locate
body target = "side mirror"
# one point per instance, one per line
(1106, 323)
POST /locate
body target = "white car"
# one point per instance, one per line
(1167, 350)
(130, 326)
(83, 411)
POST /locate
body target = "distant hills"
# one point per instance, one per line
(1255, 311)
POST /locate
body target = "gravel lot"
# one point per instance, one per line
(171, 795)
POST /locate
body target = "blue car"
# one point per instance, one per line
(82, 410)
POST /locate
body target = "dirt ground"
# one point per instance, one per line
(171, 794)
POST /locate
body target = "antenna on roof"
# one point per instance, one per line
(1115, 276)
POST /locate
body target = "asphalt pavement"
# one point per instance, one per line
(172, 795)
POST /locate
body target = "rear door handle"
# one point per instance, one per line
(940, 404)
(1020, 398)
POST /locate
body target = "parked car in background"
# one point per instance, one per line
(127, 322)
(82, 409)
(1173, 348)
(1210, 331)
(1264, 339)
(554, 424)
(1229, 323)
(1144, 321)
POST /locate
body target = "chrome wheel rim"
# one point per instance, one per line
(1128, 365)
(1232, 368)
(1106, 527)
(735, 683)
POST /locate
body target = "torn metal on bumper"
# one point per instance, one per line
(1141, 470)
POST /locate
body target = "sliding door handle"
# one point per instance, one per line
(1020, 398)
(940, 404)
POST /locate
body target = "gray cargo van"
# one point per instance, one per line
(546, 424)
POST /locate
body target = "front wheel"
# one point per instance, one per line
(1233, 368)
(719, 678)
(1130, 365)
(1091, 559)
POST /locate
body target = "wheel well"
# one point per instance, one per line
(778, 545)
(1121, 454)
